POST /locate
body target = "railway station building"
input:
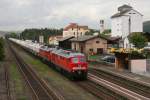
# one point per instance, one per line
(89, 44)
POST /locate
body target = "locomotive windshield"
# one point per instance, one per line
(77, 60)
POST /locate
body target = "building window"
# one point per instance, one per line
(74, 33)
(81, 33)
(75, 47)
(91, 49)
(72, 28)
(97, 41)
(79, 28)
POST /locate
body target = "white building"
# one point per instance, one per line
(54, 40)
(125, 22)
(73, 29)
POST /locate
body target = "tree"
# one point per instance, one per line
(107, 31)
(138, 39)
(33, 34)
(91, 32)
(1, 49)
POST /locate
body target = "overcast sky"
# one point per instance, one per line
(21, 14)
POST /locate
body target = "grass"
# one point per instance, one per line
(19, 87)
(94, 57)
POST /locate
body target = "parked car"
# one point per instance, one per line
(147, 47)
(110, 59)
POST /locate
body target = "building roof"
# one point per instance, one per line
(114, 38)
(66, 38)
(85, 38)
(124, 7)
(74, 25)
(122, 10)
(66, 53)
(120, 13)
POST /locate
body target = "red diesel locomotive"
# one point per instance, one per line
(72, 63)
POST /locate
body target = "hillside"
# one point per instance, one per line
(146, 26)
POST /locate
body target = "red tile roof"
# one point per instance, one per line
(74, 25)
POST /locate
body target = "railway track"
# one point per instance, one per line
(135, 89)
(40, 90)
(7, 83)
(100, 91)
(5, 92)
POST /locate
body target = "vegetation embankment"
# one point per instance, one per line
(2, 49)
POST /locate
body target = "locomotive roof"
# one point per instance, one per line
(66, 53)
(46, 48)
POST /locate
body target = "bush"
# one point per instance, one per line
(137, 55)
(1, 49)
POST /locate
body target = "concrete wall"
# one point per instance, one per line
(148, 65)
(91, 44)
(138, 66)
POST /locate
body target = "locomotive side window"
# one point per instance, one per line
(75, 60)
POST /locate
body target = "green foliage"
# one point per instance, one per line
(12, 35)
(1, 49)
(33, 34)
(88, 33)
(91, 32)
(137, 55)
(104, 35)
(138, 40)
(108, 31)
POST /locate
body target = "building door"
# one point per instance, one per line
(100, 50)
(81, 49)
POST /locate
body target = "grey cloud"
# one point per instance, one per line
(20, 14)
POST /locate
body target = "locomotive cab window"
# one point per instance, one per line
(75, 60)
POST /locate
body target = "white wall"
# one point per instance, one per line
(116, 27)
(138, 66)
(74, 32)
(136, 21)
(120, 25)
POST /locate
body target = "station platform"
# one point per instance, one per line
(144, 78)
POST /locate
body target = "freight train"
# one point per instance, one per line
(72, 64)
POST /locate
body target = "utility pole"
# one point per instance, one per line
(77, 31)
